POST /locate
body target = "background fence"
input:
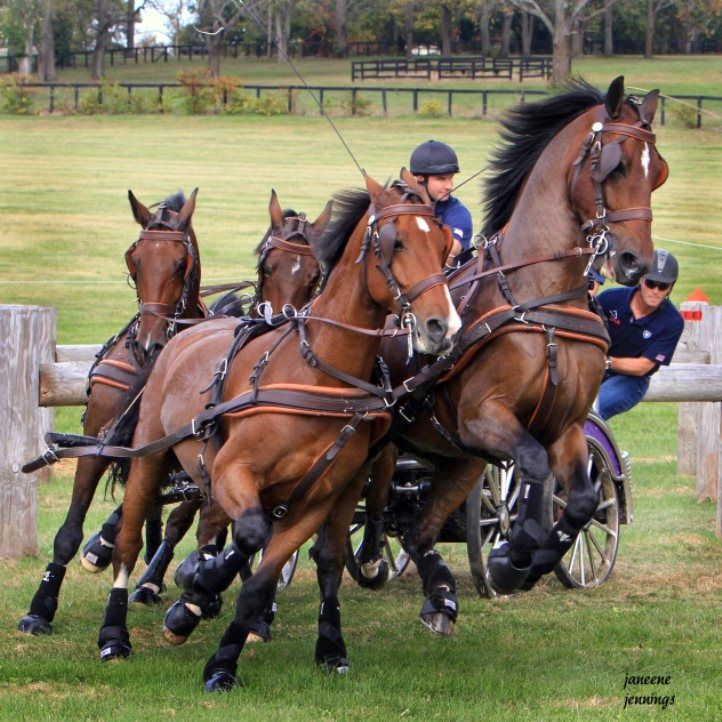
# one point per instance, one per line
(36, 376)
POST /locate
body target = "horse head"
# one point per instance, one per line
(288, 272)
(409, 246)
(165, 268)
(613, 177)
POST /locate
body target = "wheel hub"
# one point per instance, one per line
(503, 516)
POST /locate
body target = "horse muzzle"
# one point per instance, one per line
(628, 268)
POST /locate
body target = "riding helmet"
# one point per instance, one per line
(434, 158)
(664, 269)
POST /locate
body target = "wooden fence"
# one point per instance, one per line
(36, 376)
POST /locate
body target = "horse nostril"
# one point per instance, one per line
(631, 267)
(436, 329)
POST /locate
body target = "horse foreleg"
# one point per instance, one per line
(67, 542)
(141, 489)
(329, 553)
(450, 485)
(569, 460)
(373, 569)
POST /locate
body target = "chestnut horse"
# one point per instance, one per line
(571, 185)
(384, 253)
(288, 275)
(164, 265)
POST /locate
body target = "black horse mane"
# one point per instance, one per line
(174, 202)
(287, 213)
(528, 129)
(349, 207)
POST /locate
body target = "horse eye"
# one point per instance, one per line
(398, 245)
(619, 172)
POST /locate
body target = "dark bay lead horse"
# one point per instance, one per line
(572, 184)
(311, 379)
(164, 264)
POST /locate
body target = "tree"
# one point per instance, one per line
(341, 17)
(46, 64)
(507, 14)
(559, 18)
(216, 18)
(173, 12)
(485, 9)
(609, 31)
(23, 16)
(653, 9)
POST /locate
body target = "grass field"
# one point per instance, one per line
(547, 654)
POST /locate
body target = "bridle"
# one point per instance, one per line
(604, 158)
(170, 312)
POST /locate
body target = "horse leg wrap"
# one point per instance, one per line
(45, 602)
(153, 538)
(373, 569)
(114, 639)
(439, 587)
(215, 574)
(330, 647)
(557, 544)
(506, 576)
(527, 534)
(146, 591)
(98, 551)
(261, 627)
(219, 673)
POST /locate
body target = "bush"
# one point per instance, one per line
(685, 114)
(198, 93)
(358, 105)
(115, 99)
(270, 105)
(431, 109)
(15, 96)
(239, 104)
(90, 102)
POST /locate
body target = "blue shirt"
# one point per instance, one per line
(454, 214)
(653, 337)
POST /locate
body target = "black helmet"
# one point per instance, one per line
(665, 268)
(433, 158)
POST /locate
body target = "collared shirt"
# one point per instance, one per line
(653, 337)
(454, 214)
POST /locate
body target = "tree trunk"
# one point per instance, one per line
(283, 29)
(46, 65)
(577, 39)
(484, 18)
(649, 36)
(342, 28)
(130, 24)
(409, 9)
(527, 32)
(103, 20)
(214, 45)
(609, 32)
(445, 30)
(561, 61)
(269, 31)
(508, 17)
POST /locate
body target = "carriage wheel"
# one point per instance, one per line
(490, 512)
(395, 555)
(289, 568)
(591, 559)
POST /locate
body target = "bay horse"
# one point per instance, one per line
(288, 275)
(164, 266)
(571, 185)
(384, 253)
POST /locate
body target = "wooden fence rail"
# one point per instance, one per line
(36, 376)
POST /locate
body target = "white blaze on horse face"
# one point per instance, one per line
(645, 160)
(422, 224)
(296, 266)
(454, 320)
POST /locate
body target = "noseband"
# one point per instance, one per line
(158, 308)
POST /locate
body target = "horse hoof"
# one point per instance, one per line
(179, 623)
(373, 575)
(114, 649)
(335, 665)
(34, 624)
(260, 632)
(438, 623)
(145, 596)
(505, 578)
(97, 554)
(220, 681)
(211, 606)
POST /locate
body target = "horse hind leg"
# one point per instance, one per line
(569, 459)
(68, 539)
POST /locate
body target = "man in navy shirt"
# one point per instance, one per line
(434, 165)
(644, 327)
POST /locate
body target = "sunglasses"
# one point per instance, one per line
(657, 284)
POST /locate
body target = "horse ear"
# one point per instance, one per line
(186, 213)
(275, 211)
(615, 97)
(649, 106)
(376, 191)
(319, 225)
(140, 212)
(410, 179)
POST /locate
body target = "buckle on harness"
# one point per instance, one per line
(49, 456)
(199, 429)
(279, 511)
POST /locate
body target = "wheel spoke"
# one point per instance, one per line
(590, 555)
(582, 568)
(603, 527)
(605, 504)
(596, 545)
(561, 502)
(574, 554)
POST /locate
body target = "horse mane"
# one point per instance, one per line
(349, 206)
(173, 202)
(527, 130)
(287, 213)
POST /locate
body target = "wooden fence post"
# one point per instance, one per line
(28, 334)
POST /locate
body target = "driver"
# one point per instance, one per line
(434, 164)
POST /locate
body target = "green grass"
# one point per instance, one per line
(547, 654)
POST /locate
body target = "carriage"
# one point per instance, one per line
(487, 515)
